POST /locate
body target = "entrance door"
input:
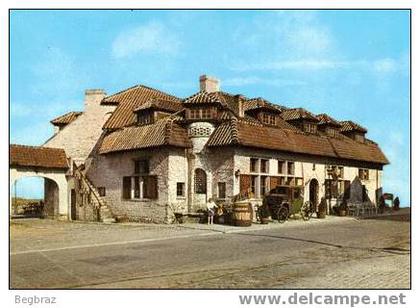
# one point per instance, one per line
(200, 188)
(73, 204)
(313, 192)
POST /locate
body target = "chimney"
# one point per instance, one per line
(209, 84)
(93, 97)
(239, 101)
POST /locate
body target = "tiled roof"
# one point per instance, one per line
(242, 133)
(351, 126)
(298, 113)
(36, 156)
(204, 97)
(325, 119)
(128, 100)
(164, 132)
(66, 118)
(160, 104)
(257, 103)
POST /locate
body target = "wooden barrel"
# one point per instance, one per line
(242, 214)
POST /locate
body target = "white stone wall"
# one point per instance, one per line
(306, 167)
(177, 172)
(108, 171)
(80, 136)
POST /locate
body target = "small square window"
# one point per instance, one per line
(254, 163)
(280, 167)
(180, 189)
(102, 191)
(141, 166)
(264, 166)
(290, 168)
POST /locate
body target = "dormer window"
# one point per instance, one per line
(309, 127)
(268, 118)
(359, 137)
(331, 132)
(204, 113)
(144, 118)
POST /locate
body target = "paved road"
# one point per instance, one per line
(343, 253)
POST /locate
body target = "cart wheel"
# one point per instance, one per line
(282, 214)
(306, 210)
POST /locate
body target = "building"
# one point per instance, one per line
(142, 154)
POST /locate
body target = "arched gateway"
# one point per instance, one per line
(49, 163)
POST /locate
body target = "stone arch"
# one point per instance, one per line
(314, 191)
(55, 190)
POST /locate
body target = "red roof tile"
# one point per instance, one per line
(164, 132)
(298, 113)
(242, 133)
(36, 156)
(66, 118)
(160, 104)
(347, 126)
(325, 119)
(128, 100)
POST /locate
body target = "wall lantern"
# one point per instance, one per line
(237, 173)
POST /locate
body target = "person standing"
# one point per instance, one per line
(396, 204)
(211, 211)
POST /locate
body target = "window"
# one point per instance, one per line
(254, 179)
(140, 187)
(269, 119)
(201, 113)
(141, 166)
(206, 114)
(200, 181)
(290, 168)
(180, 189)
(263, 185)
(194, 113)
(332, 132)
(254, 165)
(280, 166)
(101, 191)
(309, 128)
(221, 190)
(144, 119)
(264, 166)
(340, 172)
(359, 137)
(364, 174)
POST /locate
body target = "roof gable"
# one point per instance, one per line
(128, 101)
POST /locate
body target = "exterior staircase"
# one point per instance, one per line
(105, 214)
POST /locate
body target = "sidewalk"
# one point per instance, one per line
(291, 223)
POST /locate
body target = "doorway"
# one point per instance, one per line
(313, 192)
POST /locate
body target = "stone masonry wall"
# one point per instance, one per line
(307, 167)
(80, 136)
(108, 171)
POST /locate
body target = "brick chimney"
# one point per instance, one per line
(209, 84)
(239, 103)
(93, 98)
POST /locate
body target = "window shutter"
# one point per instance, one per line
(244, 183)
(126, 187)
(151, 191)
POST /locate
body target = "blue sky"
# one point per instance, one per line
(350, 64)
